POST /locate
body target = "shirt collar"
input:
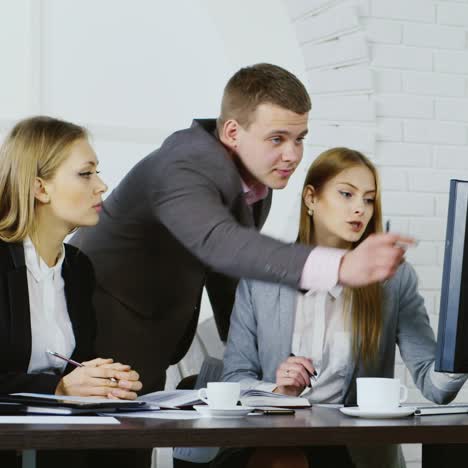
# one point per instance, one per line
(254, 193)
(334, 292)
(36, 266)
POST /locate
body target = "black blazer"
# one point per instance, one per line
(15, 321)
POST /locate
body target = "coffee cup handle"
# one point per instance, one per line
(202, 395)
(403, 393)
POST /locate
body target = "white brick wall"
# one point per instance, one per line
(450, 157)
(412, 10)
(339, 52)
(405, 106)
(452, 14)
(424, 35)
(451, 62)
(410, 59)
(389, 129)
(329, 25)
(403, 154)
(348, 80)
(354, 108)
(435, 132)
(387, 81)
(433, 84)
(452, 109)
(378, 30)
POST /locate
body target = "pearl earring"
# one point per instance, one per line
(310, 212)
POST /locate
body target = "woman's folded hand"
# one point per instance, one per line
(101, 378)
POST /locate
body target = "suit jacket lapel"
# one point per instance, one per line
(20, 317)
(287, 308)
(261, 210)
(72, 296)
(246, 216)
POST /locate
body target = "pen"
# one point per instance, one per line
(72, 362)
(402, 245)
(273, 411)
(312, 376)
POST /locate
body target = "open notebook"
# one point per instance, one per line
(253, 398)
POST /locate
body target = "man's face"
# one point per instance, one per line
(271, 148)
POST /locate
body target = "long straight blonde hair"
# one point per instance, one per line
(366, 302)
(35, 147)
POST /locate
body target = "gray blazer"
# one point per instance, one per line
(262, 325)
(176, 222)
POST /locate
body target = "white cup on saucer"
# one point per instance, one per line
(380, 394)
(220, 395)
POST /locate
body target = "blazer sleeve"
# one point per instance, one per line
(241, 358)
(15, 382)
(188, 201)
(221, 291)
(417, 343)
(19, 380)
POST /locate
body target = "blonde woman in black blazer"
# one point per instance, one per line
(15, 324)
(49, 186)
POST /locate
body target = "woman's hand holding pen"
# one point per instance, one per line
(94, 379)
(293, 375)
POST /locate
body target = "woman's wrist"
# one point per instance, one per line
(60, 389)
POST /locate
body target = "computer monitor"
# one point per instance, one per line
(452, 337)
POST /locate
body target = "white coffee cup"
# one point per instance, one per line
(380, 394)
(220, 395)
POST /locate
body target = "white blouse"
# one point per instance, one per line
(51, 327)
(322, 332)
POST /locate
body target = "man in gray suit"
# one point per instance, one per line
(188, 215)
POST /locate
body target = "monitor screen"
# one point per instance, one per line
(452, 337)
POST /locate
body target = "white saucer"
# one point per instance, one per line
(235, 412)
(400, 412)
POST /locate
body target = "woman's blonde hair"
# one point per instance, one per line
(366, 301)
(35, 147)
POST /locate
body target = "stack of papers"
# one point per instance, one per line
(39, 403)
(261, 398)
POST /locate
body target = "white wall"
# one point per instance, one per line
(133, 71)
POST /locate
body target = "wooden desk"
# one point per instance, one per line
(319, 426)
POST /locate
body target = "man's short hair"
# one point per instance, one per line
(262, 83)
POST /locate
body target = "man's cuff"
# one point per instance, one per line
(320, 272)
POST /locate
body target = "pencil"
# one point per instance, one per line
(72, 362)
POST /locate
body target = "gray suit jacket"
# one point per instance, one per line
(176, 222)
(262, 325)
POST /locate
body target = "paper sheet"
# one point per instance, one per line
(72, 399)
(58, 420)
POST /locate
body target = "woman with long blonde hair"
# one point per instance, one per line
(316, 343)
(49, 185)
